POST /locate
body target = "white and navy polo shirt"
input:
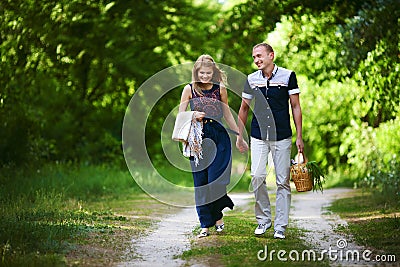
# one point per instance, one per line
(271, 119)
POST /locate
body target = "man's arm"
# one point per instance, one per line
(298, 120)
(242, 119)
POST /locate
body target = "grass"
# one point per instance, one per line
(71, 216)
(63, 215)
(373, 221)
(237, 245)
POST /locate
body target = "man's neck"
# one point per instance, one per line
(268, 71)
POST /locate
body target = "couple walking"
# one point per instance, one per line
(273, 88)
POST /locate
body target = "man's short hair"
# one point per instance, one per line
(265, 45)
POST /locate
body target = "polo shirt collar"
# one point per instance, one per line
(274, 71)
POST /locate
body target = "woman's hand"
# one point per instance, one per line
(199, 115)
(241, 144)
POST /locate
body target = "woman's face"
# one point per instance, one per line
(205, 74)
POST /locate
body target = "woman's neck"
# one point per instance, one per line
(205, 86)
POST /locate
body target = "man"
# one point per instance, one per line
(273, 88)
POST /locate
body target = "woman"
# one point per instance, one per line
(208, 97)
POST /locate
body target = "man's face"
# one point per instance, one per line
(262, 58)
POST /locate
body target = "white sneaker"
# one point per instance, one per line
(279, 234)
(261, 228)
(219, 228)
(203, 233)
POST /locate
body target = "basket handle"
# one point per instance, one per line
(298, 158)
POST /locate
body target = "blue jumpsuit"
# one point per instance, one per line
(212, 175)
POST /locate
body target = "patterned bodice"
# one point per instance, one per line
(209, 103)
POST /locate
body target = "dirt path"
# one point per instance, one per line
(309, 213)
(170, 238)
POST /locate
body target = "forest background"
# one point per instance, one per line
(70, 68)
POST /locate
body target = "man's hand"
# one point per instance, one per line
(300, 145)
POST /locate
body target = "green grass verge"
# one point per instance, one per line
(237, 245)
(71, 216)
(373, 220)
(63, 215)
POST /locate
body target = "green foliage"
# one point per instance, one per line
(362, 55)
(372, 40)
(70, 68)
(379, 76)
(385, 177)
(373, 23)
(310, 45)
(317, 175)
(245, 25)
(379, 158)
(71, 181)
(373, 153)
(325, 119)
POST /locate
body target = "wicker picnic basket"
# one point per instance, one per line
(301, 176)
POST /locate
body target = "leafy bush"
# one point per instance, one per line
(375, 154)
(385, 176)
(325, 118)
